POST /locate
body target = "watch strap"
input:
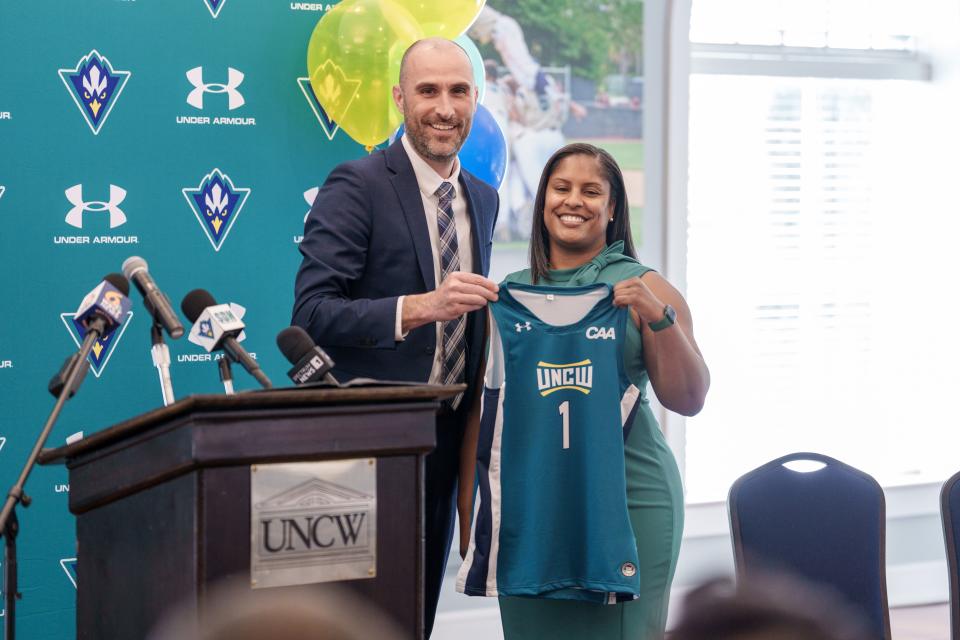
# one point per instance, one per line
(668, 319)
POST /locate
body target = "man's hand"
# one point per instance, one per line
(460, 292)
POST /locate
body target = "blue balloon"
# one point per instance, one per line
(484, 153)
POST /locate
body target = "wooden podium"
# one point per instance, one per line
(163, 501)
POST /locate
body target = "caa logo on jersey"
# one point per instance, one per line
(577, 376)
(601, 333)
(214, 6)
(95, 87)
(102, 348)
(216, 202)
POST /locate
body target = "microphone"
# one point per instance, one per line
(100, 313)
(215, 326)
(103, 310)
(156, 302)
(310, 362)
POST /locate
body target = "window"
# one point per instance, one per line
(820, 253)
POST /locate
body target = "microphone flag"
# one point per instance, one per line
(215, 322)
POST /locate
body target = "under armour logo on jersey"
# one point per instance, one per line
(234, 79)
(75, 197)
(601, 333)
(522, 327)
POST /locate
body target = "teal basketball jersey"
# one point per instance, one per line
(551, 519)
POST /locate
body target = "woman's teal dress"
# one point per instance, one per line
(654, 499)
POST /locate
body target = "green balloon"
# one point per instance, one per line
(353, 61)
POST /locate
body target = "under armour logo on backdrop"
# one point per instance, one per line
(309, 195)
(234, 79)
(75, 197)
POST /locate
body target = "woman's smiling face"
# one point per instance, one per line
(577, 207)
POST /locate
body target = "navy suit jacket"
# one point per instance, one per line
(365, 244)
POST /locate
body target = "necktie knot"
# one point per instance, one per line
(445, 192)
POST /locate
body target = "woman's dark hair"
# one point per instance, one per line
(619, 229)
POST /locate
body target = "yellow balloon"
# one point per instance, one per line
(353, 61)
(445, 18)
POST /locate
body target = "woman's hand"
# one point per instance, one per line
(677, 371)
(634, 293)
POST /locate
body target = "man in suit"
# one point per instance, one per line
(395, 253)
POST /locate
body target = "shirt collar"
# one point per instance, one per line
(427, 179)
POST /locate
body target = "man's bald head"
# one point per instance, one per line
(430, 46)
(437, 95)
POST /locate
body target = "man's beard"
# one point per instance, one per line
(421, 142)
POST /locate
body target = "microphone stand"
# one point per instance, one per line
(161, 360)
(9, 526)
(226, 376)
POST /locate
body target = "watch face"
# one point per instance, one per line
(670, 314)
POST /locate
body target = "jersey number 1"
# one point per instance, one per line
(565, 414)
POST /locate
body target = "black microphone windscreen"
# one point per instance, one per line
(195, 302)
(294, 343)
(117, 280)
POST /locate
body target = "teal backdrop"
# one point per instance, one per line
(134, 161)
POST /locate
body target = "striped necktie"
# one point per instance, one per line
(454, 342)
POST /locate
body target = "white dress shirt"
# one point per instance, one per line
(429, 181)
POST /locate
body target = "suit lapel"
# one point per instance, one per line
(404, 182)
(479, 260)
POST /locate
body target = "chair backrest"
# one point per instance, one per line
(826, 526)
(950, 513)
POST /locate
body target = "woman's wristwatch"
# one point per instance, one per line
(668, 319)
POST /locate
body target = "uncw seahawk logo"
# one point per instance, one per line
(329, 86)
(95, 86)
(214, 6)
(102, 348)
(216, 202)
